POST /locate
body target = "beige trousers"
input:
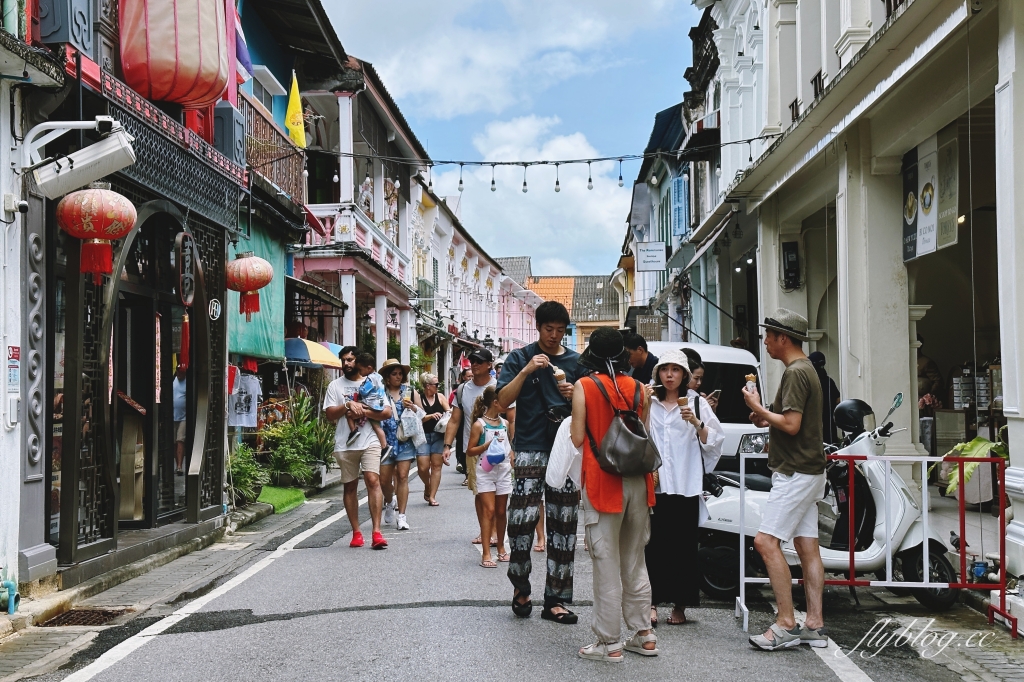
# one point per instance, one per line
(616, 545)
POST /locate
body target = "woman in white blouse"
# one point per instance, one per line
(689, 438)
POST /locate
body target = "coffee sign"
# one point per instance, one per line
(185, 253)
(930, 194)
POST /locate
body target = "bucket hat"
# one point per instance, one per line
(672, 357)
(787, 322)
(605, 346)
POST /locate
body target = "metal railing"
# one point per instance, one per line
(852, 580)
(270, 152)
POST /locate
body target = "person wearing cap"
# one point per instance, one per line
(829, 398)
(480, 361)
(616, 509)
(530, 379)
(689, 438)
(797, 461)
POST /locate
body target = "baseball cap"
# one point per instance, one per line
(481, 355)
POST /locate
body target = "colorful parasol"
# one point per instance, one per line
(307, 353)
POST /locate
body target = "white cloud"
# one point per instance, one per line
(455, 57)
(574, 231)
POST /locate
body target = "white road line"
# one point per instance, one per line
(133, 643)
(845, 669)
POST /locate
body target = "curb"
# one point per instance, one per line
(41, 610)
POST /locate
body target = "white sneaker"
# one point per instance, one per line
(389, 512)
(402, 523)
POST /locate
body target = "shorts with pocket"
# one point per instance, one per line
(179, 431)
(350, 462)
(498, 480)
(792, 507)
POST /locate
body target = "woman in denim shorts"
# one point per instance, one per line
(394, 469)
(429, 455)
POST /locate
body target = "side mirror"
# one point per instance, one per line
(897, 401)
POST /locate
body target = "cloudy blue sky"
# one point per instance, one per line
(528, 79)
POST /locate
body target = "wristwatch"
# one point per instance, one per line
(448, 445)
(700, 426)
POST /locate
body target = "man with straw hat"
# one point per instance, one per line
(797, 461)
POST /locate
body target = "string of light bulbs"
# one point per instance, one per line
(431, 163)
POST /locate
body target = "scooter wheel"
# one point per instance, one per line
(941, 571)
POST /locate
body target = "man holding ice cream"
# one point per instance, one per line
(539, 378)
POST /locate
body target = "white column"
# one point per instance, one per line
(345, 163)
(348, 296)
(406, 330)
(380, 320)
(1009, 227)
(917, 313)
(874, 311)
(855, 28)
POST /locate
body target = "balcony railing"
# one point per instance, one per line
(269, 151)
(346, 223)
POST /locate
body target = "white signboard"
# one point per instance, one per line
(650, 256)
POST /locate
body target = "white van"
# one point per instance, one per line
(725, 368)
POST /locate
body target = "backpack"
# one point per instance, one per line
(626, 449)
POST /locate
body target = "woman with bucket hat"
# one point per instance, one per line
(689, 438)
(616, 509)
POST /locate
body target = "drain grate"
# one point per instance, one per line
(84, 617)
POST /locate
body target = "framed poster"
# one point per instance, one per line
(931, 194)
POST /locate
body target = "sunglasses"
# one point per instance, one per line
(473, 361)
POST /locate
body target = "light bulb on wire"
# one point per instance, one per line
(620, 173)
(525, 190)
(461, 186)
(494, 188)
(430, 179)
(557, 186)
(718, 170)
(335, 178)
(590, 177)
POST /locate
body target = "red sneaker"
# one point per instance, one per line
(357, 540)
(378, 541)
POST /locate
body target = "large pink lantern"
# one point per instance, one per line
(175, 50)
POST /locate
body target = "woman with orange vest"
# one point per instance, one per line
(616, 509)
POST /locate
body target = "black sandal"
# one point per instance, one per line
(521, 609)
(567, 617)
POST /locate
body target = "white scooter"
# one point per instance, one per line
(719, 536)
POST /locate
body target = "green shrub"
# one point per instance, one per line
(247, 475)
(298, 444)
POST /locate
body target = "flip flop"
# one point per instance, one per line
(488, 564)
(477, 540)
(504, 557)
(538, 548)
(434, 504)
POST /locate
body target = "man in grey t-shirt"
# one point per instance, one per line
(797, 460)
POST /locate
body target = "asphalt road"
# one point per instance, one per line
(424, 610)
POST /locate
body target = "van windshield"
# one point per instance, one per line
(730, 379)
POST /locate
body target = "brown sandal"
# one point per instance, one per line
(489, 563)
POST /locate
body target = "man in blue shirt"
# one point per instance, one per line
(539, 378)
(178, 392)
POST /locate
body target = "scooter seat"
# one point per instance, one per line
(756, 482)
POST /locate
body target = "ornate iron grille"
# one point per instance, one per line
(269, 151)
(209, 240)
(96, 508)
(175, 173)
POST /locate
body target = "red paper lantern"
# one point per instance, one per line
(98, 216)
(175, 50)
(247, 274)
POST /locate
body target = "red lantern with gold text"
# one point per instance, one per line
(247, 274)
(98, 216)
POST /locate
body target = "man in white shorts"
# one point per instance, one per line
(797, 460)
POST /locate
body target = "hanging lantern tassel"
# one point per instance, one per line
(249, 303)
(97, 258)
(247, 274)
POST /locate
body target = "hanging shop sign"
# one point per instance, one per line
(930, 194)
(184, 250)
(650, 256)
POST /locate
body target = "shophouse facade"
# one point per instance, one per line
(885, 206)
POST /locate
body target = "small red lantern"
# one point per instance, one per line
(99, 216)
(246, 275)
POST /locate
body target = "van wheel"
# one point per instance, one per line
(720, 570)
(941, 571)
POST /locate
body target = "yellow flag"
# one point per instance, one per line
(293, 116)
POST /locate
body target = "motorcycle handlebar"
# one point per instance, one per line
(886, 430)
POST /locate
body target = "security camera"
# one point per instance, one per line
(22, 206)
(104, 124)
(976, 6)
(88, 164)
